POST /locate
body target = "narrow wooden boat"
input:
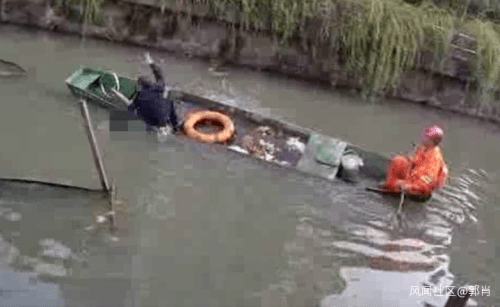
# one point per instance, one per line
(282, 143)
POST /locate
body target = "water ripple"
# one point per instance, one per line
(357, 253)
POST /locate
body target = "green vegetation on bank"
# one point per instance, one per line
(383, 40)
(91, 8)
(488, 56)
(379, 39)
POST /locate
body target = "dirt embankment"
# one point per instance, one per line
(190, 30)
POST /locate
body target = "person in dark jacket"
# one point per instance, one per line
(151, 105)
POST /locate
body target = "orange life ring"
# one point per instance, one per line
(196, 118)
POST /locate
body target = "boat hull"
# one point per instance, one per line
(283, 143)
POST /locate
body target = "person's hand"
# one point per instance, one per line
(149, 60)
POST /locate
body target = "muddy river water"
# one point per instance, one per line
(210, 228)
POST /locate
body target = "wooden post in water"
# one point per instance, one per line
(93, 145)
(112, 202)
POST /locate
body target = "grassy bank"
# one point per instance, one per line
(378, 39)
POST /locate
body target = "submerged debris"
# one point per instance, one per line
(51, 269)
(238, 149)
(100, 219)
(285, 163)
(265, 130)
(13, 216)
(294, 143)
(54, 249)
(252, 145)
(264, 143)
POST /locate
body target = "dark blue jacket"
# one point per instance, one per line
(151, 106)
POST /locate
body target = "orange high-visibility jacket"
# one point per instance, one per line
(428, 165)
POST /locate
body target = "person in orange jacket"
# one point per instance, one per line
(422, 173)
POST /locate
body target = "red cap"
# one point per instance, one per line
(434, 133)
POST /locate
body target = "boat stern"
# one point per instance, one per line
(80, 81)
(74, 75)
(83, 78)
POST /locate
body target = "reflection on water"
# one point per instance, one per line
(432, 228)
(40, 233)
(373, 263)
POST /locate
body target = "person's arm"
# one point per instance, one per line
(160, 79)
(435, 179)
(413, 157)
(158, 74)
(413, 151)
(443, 176)
(132, 107)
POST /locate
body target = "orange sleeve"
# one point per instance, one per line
(443, 175)
(428, 167)
(418, 152)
